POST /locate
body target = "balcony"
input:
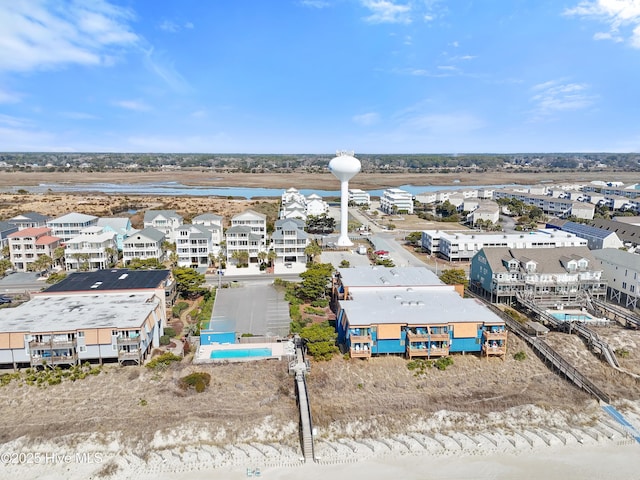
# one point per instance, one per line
(494, 336)
(428, 352)
(423, 335)
(52, 344)
(43, 360)
(133, 355)
(129, 341)
(366, 339)
(497, 350)
(360, 352)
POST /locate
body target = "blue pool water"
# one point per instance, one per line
(242, 353)
(572, 317)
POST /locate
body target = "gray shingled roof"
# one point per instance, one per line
(548, 260)
(150, 233)
(618, 257)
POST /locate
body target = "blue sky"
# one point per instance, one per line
(315, 76)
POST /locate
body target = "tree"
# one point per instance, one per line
(58, 256)
(83, 261)
(321, 340)
(315, 281)
(145, 264)
(454, 276)
(112, 256)
(262, 256)
(414, 238)
(55, 278)
(271, 256)
(5, 264)
(43, 262)
(312, 251)
(188, 281)
(241, 257)
(320, 223)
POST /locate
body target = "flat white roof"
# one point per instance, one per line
(379, 276)
(418, 307)
(58, 313)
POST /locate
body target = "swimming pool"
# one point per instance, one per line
(241, 353)
(572, 317)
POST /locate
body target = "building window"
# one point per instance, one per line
(114, 333)
(82, 349)
(80, 334)
(624, 285)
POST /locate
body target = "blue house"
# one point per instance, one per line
(410, 313)
(121, 227)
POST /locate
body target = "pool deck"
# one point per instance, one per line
(576, 315)
(279, 350)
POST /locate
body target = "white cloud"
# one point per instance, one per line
(617, 14)
(199, 114)
(172, 27)
(46, 34)
(553, 97)
(314, 3)
(9, 97)
(164, 68)
(14, 122)
(366, 119)
(135, 105)
(384, 11)
(78, 116)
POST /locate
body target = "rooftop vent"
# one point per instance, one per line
(123, 276)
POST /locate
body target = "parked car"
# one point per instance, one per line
(4, 300)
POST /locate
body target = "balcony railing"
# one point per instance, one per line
(52, 344)
(487, 350)
(129, 340)
(428, 352)
(494, 336)
(360, 353)
(360, 339)
(427, 337)
(71, 359)
(129, 355)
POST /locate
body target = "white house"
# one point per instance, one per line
(167, 221)
(70, 225)
(92, 249)
(315, 205)
(289, 241)
(213, 223)
(248, 232)
(193, 246)
(621, 270)
(144, 245)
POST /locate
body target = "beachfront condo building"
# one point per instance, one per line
(248, 233)
(29, 220)
(359, 197)
(194, 246)
(622, 271)
(546, 276)
(408, 311)
(213, 223)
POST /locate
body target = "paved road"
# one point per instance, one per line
(21, 282)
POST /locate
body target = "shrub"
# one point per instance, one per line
(178, 308)
(165, 340)
(320, 303)
(443, 362)
(622, 352)
(313, 311)
(199, 381)
(170, 332)
(163, 360)
(519, 356)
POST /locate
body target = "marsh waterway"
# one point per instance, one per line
(179, 189)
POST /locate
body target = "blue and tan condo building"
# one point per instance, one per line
(408, 311)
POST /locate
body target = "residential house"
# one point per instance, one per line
(25, 246)
(248, 232)
(29, 220)
(315, 205)
(289, 241)
(213, 223)
(6, 229)
(121, 226)
(409, 311)
(144, 245)
(71, 225)
(91, 250)
(167, 221)
(547, 276)
(194, 246)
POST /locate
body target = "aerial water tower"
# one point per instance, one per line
(344, 166)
